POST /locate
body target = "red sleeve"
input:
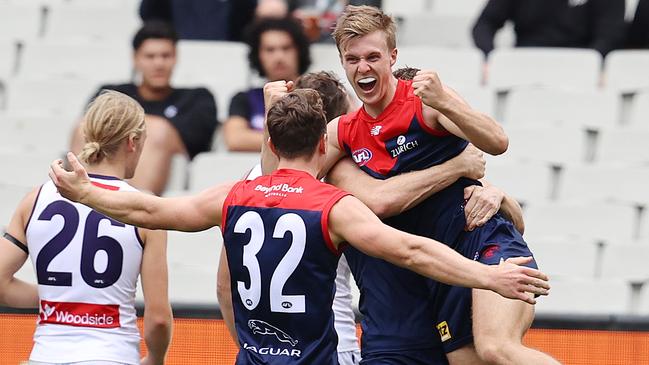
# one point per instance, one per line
(324, 220)
(226, 204)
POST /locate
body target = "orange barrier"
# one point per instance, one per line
(206, 341)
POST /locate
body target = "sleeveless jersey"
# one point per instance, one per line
(345, 319)
(283, 266)
(87, 266)
(399, 141)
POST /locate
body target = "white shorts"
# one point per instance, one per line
(352, 357)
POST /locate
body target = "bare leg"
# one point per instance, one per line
(498, 328)
(162, 142)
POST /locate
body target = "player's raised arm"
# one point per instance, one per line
(389, 197)
(457, 116)
(353, 222)
(13, 253)
(190, 213)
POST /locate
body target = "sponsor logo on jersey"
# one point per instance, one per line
(266, 329)
(80, 314)
(444, 331)
(279, 190)
(362, 156)
(272, 351)
(376, 130)
(403, 145)
(170, 111)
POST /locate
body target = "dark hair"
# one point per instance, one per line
(296, 122)
(288, 25)
(332, 92)
(154, 29)
(405, 73)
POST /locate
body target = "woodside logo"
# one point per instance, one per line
(80, 314)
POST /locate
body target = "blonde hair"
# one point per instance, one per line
(110, 119)
(358, 21)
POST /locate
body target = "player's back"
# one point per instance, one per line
(87, 266)
(283, 266)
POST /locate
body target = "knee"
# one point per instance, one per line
(160, 133)
(494, 352)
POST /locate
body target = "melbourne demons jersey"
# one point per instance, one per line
(345, 319)
(399, 141)
(283, 266)
(87, 266)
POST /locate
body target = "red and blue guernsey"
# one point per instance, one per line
(394, 142)
(283, 268)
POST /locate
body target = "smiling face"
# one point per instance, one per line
(368, 62)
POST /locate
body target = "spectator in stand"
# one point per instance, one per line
(279, 50)
(596, 24)
(638, 34)
(271, 9)
(178, 121)
(193, 19)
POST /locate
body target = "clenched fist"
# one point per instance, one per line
(429, 89)
(275, 90)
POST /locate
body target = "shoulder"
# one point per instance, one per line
(349, 117)
(128, 89)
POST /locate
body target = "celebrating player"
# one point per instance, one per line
(87, 264)
(283, 234)
(411, 125)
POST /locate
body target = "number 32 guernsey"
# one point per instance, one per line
(283, 267)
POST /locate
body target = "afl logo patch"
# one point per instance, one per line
(362, 156)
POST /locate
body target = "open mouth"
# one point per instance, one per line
(367, 83)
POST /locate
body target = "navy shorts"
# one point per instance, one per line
(433, 356)
(487, 244)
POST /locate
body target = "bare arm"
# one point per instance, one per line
(224, 294)
(389, 197)
(483, 202)
(444, 106)
(14, 292)
(240, 137)
(191, 213)
(157, 311)
(354, 223)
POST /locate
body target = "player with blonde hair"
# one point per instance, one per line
(87, 265)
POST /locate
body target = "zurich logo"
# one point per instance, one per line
(401, 140)
(362, 157)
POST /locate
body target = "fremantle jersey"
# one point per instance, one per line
(87, 266)
(283, 266)
(399, 141)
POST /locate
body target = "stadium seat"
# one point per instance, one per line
(179, 174)
(576, 69)
(324, 57)
(64, 96)
(643, 300)
(433, 30)
(526, 182)
(209, 169)
(623, 145)
(469, 8)
(201, 249)
(456, 67)
(45, 134)
(21, 21)
(547, 144)
(625, 261)
(552, 106)
(639, 111)
(574, 296)
(10, 196)
(405, 7)
(222, 67)
(604, 182)
(104, 62)
(599, 221)
(26, 169)
(105, 23)
(626, 70)
(564, 258)
(195, 285)
(9, 52)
